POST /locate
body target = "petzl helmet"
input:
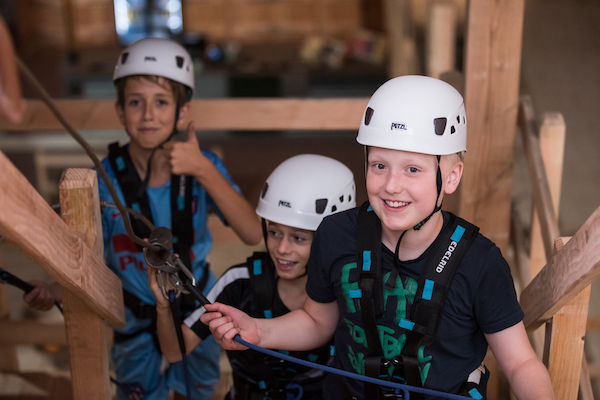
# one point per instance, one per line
(417, 114)
(304, 189)
(156, 56)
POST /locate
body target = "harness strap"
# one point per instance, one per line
(262, 281)
(136, 197)
(433, 284)
(371, 294)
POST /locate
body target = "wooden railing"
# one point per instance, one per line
(70, 251)
(558, 295)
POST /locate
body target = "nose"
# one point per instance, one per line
(148, 112)
(284, 246)
(393, 183)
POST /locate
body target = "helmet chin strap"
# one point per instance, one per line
(436, 208)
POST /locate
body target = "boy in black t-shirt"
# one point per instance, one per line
(376, 272)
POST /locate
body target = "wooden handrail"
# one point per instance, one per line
(566, 274)
(28, 222)
(213, 114)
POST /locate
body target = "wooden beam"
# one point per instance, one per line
(87, 332)
(27, 221)
(565, 275)
(542, 195)
(32, 332)
(492, 65)
(566, 349)
(585, 382)
(214, 114)
(593, 324)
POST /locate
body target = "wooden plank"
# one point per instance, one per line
(566, 274)
(593, 324)
(440, 54)
(552, 147)
(11, 101)
(585, 382)
(32, 332)
(215, 114)
(566, 350)
(27, 221)
(86, 332)
(8, 352)
(542, 195)
(400, 31)
(492, 65)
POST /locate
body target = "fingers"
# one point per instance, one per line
(39, 299)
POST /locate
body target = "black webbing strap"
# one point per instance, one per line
(136, 197)
(371, 293)
(262, 281)
(434, 282)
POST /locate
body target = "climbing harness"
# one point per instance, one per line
(433, 284)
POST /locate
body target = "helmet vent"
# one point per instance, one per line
(150, 58)
(439, 125)
(368, 115)
(264, 191)
(452, 130)
(179, 60)
(333, 208)
(320, 206)
(458, 119)
(341, 198)
(124, 57)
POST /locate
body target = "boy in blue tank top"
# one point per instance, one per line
(408, 292)
(175, 184)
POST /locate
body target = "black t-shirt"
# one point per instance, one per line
(481, 299)
(235, 288)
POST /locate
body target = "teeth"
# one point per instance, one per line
(284, 262)
(396, 204)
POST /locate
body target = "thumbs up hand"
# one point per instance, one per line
(185, 158)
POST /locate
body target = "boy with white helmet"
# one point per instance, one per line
(175, 184)
(297, 195)
(407, 291)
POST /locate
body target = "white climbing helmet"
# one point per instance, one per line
(304, 189)
(156, 56)
(417, 114)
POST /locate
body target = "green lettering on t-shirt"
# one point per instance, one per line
(347, 286)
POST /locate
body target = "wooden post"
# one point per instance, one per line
(552, 145)
(401, 38)
(87, 333)
(566, 348)
(8, 353)
(440, 53)
(493, 59)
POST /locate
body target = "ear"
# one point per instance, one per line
(120, 113)
(453, 176)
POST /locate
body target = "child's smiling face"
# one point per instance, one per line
(289, 249)
(401, 187)
(148, 112)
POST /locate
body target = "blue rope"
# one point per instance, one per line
(368, 379)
